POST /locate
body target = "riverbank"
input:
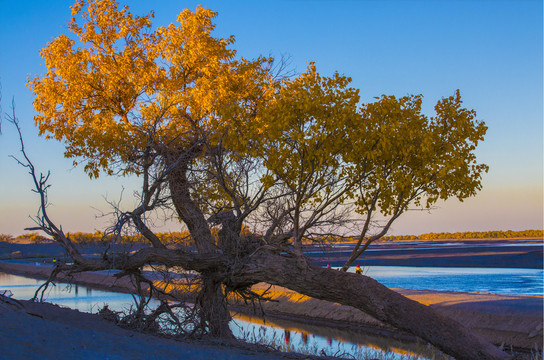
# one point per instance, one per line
(509, 320)
(48, 332)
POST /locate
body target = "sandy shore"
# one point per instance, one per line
(48, 332)
(526, 254)
(502, 319)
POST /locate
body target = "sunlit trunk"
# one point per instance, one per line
(188, 211)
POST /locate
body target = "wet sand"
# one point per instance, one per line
(474, 253)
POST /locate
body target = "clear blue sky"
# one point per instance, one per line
(490, 50)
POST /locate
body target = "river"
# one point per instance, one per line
(504, 281)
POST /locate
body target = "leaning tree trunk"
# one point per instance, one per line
(368, 295)
(295, 273)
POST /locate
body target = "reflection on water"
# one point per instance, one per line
(284, 334)
(290, 335)
(76, 297)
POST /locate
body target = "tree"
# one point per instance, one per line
(228, 143)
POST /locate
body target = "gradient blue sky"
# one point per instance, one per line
(490, 50)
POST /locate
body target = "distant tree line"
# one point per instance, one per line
(184, 238)
(98, 237)
(28, 236)
(468, 235)
(167, 238)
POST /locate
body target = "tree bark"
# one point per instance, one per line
(188, 211)
(211, 300)
(213, 308)
(369, 296)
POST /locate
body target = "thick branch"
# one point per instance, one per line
(368, 295)
(187, 209)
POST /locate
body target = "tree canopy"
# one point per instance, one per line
(120, 88)
(228, 142)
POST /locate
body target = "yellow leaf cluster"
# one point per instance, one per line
(116, 81)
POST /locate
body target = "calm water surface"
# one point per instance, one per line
(504, 281)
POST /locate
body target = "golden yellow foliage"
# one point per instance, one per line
(106, 91)
(119, 87)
